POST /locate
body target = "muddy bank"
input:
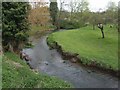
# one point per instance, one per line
(75, 58)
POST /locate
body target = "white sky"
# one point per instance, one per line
(94, 5)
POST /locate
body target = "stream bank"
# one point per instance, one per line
(74, 58)
(51, 62)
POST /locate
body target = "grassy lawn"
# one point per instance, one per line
(90, 46)
(16, 74)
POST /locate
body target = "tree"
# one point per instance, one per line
(93, 19)
(79, 11)
(14, 25)
(0, 16)
(83, 6)
(112, 12)
(111, 6)
(39, 15)
(53, 12)
(119, 17)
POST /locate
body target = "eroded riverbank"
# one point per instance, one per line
(75, 58)
(51, 62)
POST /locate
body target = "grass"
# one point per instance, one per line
(16, 74)
(0, 72)
(89, 45)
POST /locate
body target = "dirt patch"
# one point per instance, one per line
(73, 57)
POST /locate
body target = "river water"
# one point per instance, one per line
(50, 62)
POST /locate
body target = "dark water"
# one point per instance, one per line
(51, 63)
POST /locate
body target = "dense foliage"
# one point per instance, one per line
(53, 12)
(65, 24)
(14, 25)
(0, 15)
(39, 15)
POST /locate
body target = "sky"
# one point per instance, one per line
(94, 5)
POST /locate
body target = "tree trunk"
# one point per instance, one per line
(10, 47)
(118, 29)
(93, 27)
(18, 47)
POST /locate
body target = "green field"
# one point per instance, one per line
(16, 74)
(89, 45)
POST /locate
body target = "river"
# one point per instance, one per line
(50, 62)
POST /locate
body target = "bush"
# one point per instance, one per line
(65, 24)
